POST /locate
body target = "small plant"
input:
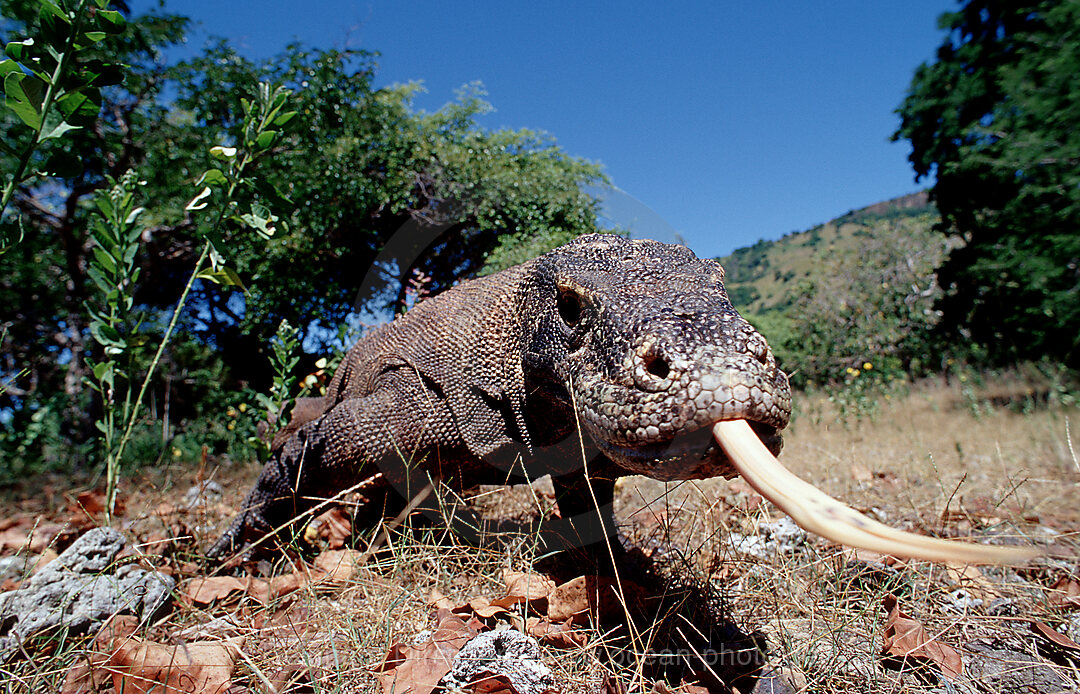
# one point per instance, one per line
(114, 272)
(283, 359)
(857, 395)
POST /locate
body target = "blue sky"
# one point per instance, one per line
(731, 121)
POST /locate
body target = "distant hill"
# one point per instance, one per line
(764, 278)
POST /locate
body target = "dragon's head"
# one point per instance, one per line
(651, 354)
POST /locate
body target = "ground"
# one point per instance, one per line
(938, 458)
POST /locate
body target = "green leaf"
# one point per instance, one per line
(284, 118)
(7, 66)
(20, 50)
(104, 259)
(266, 138)
(110, 21)
(82, 106)
(212, 177)
(59, 130)
(226, 276)
(223, 153)
(106, 335)
(197, 201)
(94, 36)
(133, 215)
(54, 27)
(103, 283)
(24, 95)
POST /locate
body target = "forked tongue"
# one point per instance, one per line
(819, 513)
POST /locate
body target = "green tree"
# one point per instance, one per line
(994, 119)
(872, 303)
(357, 166)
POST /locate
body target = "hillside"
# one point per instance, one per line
(764, 278)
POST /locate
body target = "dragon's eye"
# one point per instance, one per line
(569, 305)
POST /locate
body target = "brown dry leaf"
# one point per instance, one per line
(485, 608)
(339, 565)
(596, 595)
(266, 591)
(142, 667)
(612, 684)
(527, 586)
(906, 638)
(203, 591)
(332, 527)
(488, 683)
(24, 536)
(438, 599)
(91, 675)
(89, 507)
(417, 669)
(688, 688)
(972, 580)
(1065, 593)
(558, 635)
(1054, 635)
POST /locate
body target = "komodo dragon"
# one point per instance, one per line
(633, 342)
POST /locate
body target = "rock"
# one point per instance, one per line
(74, 592)
(202, 494)
(999, 666)
(13, 567)
(509, 653)
(962, 601)
(779, 537)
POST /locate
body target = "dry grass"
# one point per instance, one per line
(818, 606)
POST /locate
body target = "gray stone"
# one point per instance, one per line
(1002, 666)
(203, 493)
(781, 537)
(507, 652)
(77, 592)
(13, 567)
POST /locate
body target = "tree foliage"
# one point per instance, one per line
(995, 118)
(356, 167)
(870, 304)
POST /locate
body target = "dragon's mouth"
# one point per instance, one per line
(690, 454)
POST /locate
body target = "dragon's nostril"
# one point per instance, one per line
(657, 366)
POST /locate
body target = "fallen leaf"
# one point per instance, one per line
(203, 591)
(562, 635)
(1065, 593)
(906, 639)
(586, 595)
(332, 527)
(28, 537)
(1054, 635)
(527, 586)
(489, 683)
(89, 673)
(409, 669)
(339, 565)
(142, 667)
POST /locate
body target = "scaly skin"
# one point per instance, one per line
(635, 341)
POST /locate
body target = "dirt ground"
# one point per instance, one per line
(934, 459)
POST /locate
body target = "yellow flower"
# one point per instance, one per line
(176, 452)
(867, 365)
(243, 407)
(231, 426)
(230, 412)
